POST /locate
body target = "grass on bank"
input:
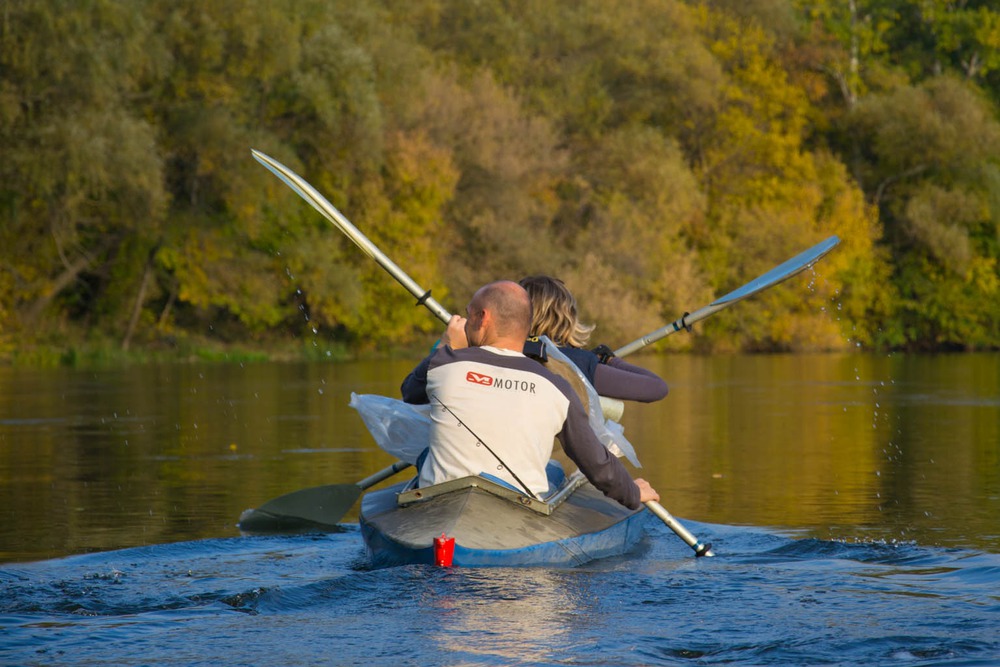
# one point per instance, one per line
(56, 350)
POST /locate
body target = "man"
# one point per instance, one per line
(496, 411)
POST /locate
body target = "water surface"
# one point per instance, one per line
(852, 500)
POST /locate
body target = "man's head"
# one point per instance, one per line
(499, 315)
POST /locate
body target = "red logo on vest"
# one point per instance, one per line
(479, 378)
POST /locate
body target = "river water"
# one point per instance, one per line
(853, 501)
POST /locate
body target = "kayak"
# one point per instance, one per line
(476, 522)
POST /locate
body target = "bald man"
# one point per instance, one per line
(496, 411)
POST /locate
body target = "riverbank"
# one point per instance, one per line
(100, 351)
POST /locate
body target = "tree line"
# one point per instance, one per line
(653, 154)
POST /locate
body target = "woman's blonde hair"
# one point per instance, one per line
(554, 312)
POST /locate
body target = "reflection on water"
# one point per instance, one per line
(845, 446)
(854, 446)
(512, 614)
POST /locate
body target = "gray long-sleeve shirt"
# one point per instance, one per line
(486, 399)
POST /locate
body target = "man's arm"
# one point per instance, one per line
(414, 387)
(600, 466)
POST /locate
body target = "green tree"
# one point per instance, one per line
(770, 198)
(921, 139)
(634, 218)
(81, 181)
(937, 199)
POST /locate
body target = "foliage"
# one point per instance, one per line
(922, 144)
(655, 154)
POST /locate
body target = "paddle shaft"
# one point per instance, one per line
(383, 474)
(700, 548)
(776, 275)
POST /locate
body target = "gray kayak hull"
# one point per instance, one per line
(496, 527)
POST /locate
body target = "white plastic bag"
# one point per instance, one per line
(610, 433)
(399, 428)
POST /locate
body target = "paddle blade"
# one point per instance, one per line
(780, 273)
(319, 507)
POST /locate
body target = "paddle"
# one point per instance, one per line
(316, 507)
(776, 275)
(319, 202)
(324, 506)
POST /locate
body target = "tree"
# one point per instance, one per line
(81, 180)
(937, 198)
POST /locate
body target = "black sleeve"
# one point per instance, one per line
(585, 360)
(617, 379)
(414, 387)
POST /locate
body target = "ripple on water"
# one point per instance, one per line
(766, 598)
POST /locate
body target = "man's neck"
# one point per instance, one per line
(505, 343)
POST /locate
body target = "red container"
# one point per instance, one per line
(444, 550)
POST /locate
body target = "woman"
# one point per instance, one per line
(554, 315)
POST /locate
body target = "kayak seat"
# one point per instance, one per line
(554, 472)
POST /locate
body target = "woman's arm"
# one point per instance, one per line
(621, 380)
